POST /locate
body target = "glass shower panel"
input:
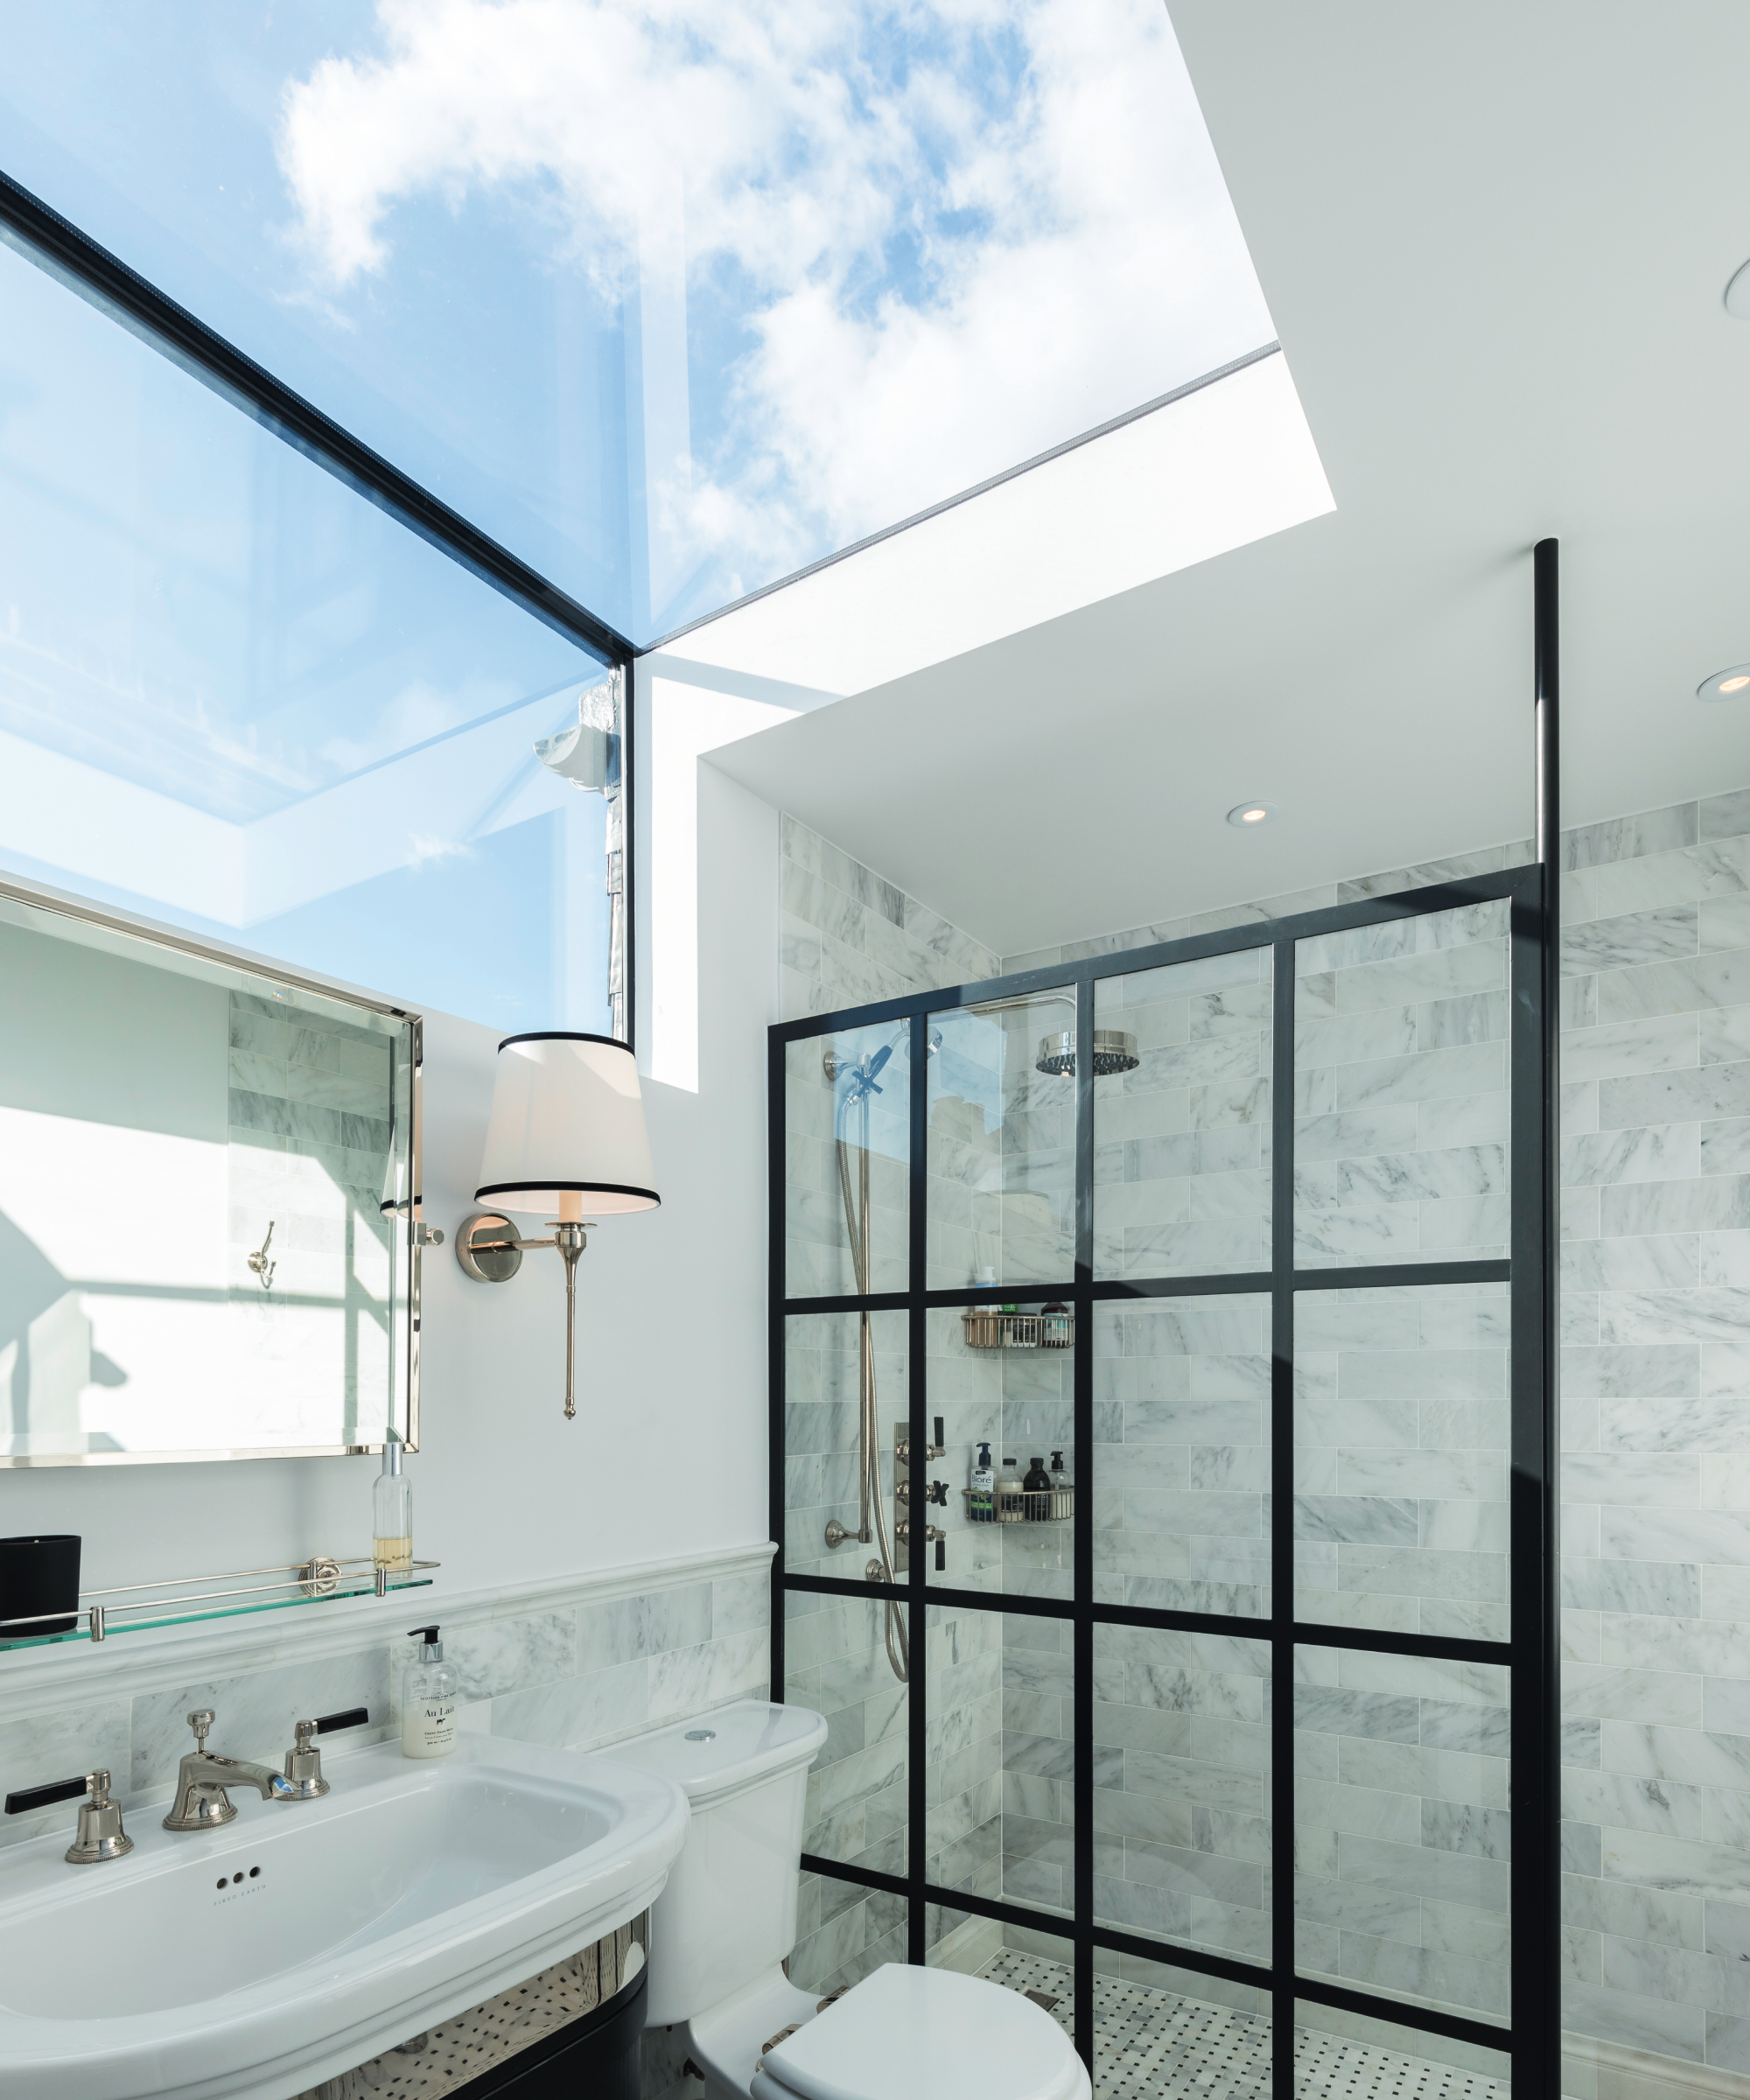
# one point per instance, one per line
(1016, 1400)
(1401, 1459)
(999, 1780)
(1181, 1119)
(1181, 1788)
(1402, 1838)
(1002, 1144)
(1020, 1957)
(841, 1402)
(1162, 2031)
(847, 1162)
(1401, 1091)
(1343, 2052)
(1181, 1459)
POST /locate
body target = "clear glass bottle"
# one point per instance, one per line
(392, 1510)
(428, 1700)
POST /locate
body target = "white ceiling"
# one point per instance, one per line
(1495, 240)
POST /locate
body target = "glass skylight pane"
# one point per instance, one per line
(237, 698)
(672, 302)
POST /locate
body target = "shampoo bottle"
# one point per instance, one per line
(983, 1488)
(428, 1701)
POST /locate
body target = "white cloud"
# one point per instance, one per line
(1065, 246)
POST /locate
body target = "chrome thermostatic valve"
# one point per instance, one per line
(100, 1836)
(201, 1803)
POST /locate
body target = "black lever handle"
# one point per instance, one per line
(45, 1797)
(354, 1717)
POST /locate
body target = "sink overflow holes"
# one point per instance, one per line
(231, 1881)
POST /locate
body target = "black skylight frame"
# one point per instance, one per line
(51, 242)
(1530, 1654)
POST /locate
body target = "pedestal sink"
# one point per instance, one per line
(306, 1937)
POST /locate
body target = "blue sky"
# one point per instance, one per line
(670, 299)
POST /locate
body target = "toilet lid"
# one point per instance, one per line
(924, 2032)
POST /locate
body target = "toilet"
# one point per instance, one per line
(721, 1929)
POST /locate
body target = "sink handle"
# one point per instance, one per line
(354, 1717)
(200, 1720)
(100, 1836)
(31, 1798)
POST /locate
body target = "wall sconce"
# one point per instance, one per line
(566, 1134)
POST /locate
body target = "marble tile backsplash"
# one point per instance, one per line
(577, 1675)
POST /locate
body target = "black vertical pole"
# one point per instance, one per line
(774, 1339)
(1536, 1249)
(1082, 1698)
(917, 1510)
(1281, 1523)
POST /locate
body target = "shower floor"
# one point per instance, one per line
(1150, 2045)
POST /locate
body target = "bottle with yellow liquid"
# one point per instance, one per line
(392, 1510)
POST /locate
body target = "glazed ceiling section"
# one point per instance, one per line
(669, 307)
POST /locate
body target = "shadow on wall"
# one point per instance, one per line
(46, 1359)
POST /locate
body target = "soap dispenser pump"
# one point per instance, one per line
(428, 1703)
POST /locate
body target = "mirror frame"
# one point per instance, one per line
(412, 1230)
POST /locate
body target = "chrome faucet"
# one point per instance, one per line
(201, 1803)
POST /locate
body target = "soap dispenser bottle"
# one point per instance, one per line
(392, 1509)
(428, 1701)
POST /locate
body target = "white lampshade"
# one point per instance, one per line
(567, 1122)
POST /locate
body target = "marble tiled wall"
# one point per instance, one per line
(311, 1125)
(849, 937)
(1656, 1375)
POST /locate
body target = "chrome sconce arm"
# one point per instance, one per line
(491, 1249)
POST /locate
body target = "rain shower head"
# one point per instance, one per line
(1114, 1051)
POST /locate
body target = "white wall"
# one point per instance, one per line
(668, 1452)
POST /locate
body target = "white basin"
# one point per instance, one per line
(410, 1891)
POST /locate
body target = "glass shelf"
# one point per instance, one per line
(311, 1582)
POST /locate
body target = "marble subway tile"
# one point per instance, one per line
(1678, 987)
(626, 1628)
(498, 1656)
(1627, 838)
(255, 1711)
(38, 1749)
(594, 1708)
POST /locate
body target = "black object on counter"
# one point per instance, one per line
(37, 1575)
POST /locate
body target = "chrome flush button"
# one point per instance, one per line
(701, 1735)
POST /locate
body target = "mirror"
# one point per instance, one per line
(208, 1209)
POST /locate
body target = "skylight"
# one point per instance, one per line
(672, 301)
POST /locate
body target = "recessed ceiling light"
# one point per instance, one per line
(1723, 684)
(1252, 813)
(1738, 295)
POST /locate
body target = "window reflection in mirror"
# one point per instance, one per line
(203, 1230)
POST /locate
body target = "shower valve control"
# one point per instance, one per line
(937, 1493)
(902, 1449)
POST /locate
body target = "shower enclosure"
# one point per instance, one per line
(1229, 1717)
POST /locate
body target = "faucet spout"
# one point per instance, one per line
(201, 1803)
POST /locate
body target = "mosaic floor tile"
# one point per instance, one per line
(1150, 2045)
